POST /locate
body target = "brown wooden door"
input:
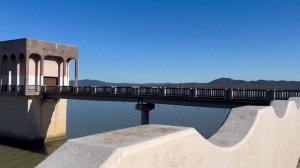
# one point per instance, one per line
(50, 81)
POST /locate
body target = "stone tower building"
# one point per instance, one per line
(25, 66)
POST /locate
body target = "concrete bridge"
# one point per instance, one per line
(147, 97)
(205, 97)
(34, 88)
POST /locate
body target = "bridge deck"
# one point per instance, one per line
(204, 97)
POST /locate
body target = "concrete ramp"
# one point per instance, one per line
(254, 137)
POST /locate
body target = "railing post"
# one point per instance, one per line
(9, 88)
(162, 91)
(138, 91)
(75, 89)
(112, 90)
(58, 91)
(192, 93)
(228, 95)
(93, 90)
(270, 95)
(17, 90)
(115, 90)
(42, 89)
(70, 90)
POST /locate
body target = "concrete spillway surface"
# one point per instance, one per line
(98, 148)
(250, 137)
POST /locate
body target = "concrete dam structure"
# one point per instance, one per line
(260, 131)
(251, 137)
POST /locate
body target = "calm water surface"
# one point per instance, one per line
(90, 117)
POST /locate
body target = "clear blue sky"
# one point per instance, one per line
(166, 40)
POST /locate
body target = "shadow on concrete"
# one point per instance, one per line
(39, 117)
(36, 122)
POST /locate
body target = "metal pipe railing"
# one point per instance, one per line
(159, 92)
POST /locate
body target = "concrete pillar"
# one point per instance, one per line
(64, 73)
(9, 68)
(145, 108)
(21, 70)
(32, 119)
(42, 71)
(76, 73)
(60, 73)
(26, 79)
(18, 70)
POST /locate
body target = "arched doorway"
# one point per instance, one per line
(34, 72)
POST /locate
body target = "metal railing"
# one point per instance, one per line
(157, 92)
(148, 91)
(176, 92)
(187, 93)
(12, 89)
(249, 94)
(210, 93)
(34, 88)
(286, 94)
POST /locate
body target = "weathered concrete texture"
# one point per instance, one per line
(280, 107)
(32, 119)
(92, 151)
(29, 46)
(296, 100)
(236, 127)
(250, 137)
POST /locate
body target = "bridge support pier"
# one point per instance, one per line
(145, 108)
(32, 119)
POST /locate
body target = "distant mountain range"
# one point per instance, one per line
(218, 83)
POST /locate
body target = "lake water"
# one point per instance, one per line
(90, 117)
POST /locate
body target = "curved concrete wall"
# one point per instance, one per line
(250, 137)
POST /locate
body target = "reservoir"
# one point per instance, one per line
(91, 117)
